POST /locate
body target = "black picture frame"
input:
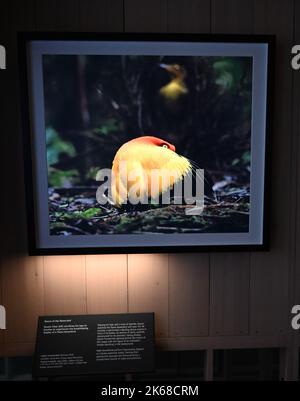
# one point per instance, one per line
(24, 38)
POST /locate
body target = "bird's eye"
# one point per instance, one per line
(165, 146)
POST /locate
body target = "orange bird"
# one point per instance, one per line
(146, 167)
(176, 90)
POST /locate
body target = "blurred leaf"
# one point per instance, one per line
(228, 74)
(111, 125)
(92, 172)
(246, 157)
(235, 162)
(78, 214)
(56, 146)
(244, 160)
(59, 178)
(88, 213)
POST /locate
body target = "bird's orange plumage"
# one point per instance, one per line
(176, 89)
(141, 156)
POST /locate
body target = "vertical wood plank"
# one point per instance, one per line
(292, 353)
(57, 15)
(18, 17)
(189, 17)
(4, 35)
(65, 277)
(106, 275)
(232, 16)
(229, 294)
(230, 272)
(65, 285)
(4, 32)
(22, 297)
(1, 303)
(22, 277)
(209, 365)
(270, 270)
(287, 371)
(145, 16)
(101, 15)
(106, 283)
(148, 274)
(148, 288)
(188, 273)
(296, 123)
(188, 295)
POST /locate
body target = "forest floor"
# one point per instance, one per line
(75, 211)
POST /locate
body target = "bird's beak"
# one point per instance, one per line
(165, 66)
(169, 68)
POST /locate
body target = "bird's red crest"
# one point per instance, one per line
(153, 140)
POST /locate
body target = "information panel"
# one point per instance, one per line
(94, 344)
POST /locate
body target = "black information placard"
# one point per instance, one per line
(94, 344)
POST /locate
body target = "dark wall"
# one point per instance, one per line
(201, 301)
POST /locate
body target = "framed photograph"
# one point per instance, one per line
(145, 143)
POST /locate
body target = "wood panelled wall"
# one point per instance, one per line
(201, 300)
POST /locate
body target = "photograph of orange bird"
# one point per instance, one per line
(120, 116)
(143, 155)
